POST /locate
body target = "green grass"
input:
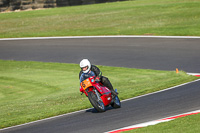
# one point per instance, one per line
(136, 17)
(34, 90)
(188, 124)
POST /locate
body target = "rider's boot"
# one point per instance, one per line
(114, 92)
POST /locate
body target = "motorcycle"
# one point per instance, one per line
(99, 96)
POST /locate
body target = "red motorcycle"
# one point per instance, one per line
(99, 95)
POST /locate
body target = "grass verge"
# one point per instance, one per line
(134, 17)
(34, 90)
(188, 124)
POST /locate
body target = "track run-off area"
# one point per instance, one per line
(144, 52)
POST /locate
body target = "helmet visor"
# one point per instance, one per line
(84, 68)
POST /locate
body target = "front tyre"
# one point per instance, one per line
(97, 104)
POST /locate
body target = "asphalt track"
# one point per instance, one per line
(142, 52)
(133, 52)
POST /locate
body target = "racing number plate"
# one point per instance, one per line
(85, 84)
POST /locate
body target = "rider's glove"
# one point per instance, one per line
(97, 79)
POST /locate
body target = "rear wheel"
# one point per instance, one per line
(96, 103)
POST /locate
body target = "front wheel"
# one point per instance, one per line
(96, 103)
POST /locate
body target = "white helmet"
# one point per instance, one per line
(84, 63)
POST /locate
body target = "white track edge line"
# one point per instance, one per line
(44, 119)
(91, 108)
(154, 122)
(161, 90)
(194, 74)
(117, 36)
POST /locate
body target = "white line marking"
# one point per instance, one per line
(153, 122)
(122, 36)
(45, 119)
(91, 108)
(194, 74)
(161, 90)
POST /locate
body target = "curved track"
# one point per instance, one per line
(148, 53)
(134, 52)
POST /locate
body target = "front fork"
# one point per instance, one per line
(99, 99)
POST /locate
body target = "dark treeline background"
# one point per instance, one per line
(11, 5)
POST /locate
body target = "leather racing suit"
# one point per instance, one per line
(104, 80)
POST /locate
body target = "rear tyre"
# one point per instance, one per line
(97, 104)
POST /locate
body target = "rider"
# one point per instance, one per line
(88, 70)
